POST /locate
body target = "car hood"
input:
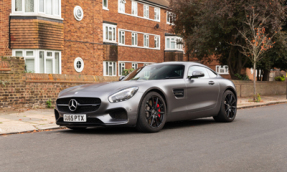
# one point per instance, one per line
(106, 87)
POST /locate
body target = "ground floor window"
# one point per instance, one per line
(40, 61)
(121, 68)
(134, 65)
(222, 69)
(110, 68)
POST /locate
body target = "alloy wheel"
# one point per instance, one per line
(154, 111)
(230, 106)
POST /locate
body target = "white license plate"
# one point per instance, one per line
(75, 118)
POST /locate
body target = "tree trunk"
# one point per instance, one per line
(266, 75)
(254, 81)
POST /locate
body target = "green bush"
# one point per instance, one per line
(127, 71)
(49, 103)
(280, 78)
(258, 98)
(242, 77)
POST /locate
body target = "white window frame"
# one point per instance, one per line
(134, 66)
(36, 58)
(168, 14)
(134, 11)
(114, 71)
(135, 36)
(146, 11)
(175, 39)
(37, 10)
(121, 64)
(121, 33)
(219, 68)
(107, 7)
(157, 42)
(113, 28)
(156, 14)
(146, 40)
(123, 8)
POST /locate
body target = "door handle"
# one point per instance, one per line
(211, 83)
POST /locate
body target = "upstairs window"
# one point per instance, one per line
(122, 4)
(109, 33)
(134, 39)
(156, 42)
(122, 37)
(170, 18)
(173, 43)
(146, 41)
(50, 8)
(156, 14)
(105, 4)
(222, 69)
(146, 11)
(134, 8)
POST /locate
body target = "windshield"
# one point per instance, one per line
(156, 72)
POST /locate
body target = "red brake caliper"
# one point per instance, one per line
(158, 110)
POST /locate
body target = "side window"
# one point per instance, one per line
(211, 73)
(198, 68)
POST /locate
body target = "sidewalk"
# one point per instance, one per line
(43, 119)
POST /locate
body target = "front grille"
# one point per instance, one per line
(86, 105)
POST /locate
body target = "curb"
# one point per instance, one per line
(33, 131)
(261, 105)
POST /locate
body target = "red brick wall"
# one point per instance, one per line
(5, 10)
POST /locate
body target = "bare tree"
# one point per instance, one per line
(257, 39)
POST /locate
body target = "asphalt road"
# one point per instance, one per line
(255, 141)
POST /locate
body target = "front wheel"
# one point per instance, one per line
(152, 114)
(228, 108)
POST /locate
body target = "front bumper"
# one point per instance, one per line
(108, 114)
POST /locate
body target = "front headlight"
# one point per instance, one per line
(123, 95)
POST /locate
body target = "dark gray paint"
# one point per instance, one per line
(200, 98)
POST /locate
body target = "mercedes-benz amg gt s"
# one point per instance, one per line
(149, 97)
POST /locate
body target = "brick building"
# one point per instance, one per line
(91, 37)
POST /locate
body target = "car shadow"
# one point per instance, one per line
(132, 130)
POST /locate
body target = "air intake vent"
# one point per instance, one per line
(178, 93)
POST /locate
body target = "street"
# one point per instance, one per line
(255, 141)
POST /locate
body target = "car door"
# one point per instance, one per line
(202, 93)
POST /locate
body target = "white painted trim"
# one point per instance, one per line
(105, 8)
(132, 46)
(222, 67)
(133, 62)
(104, 68)
(175, 37)
(138, 32)
(104, 32)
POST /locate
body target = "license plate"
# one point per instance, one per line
(75, 118)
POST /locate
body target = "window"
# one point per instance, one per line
(122, 37)
(222, 69)
(109, 33)
(50, 8)
(134, 39)
(156, 42)
(146, 11)
(173, 43)
(198, 68)
(146, 41)
(110, 68)
(40, 61)
(134, 8)
(122, 6)
(211, 73)
(79, 64)
(170, 17)
(134, 65)
(156, 14)
(121, 68)
(105, 4)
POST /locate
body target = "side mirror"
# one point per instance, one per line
(196, 74)
(121, 78)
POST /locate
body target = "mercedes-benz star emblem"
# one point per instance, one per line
(73, 104)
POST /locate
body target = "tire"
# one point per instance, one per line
(228, 108)
(152, 113)
(77, 128)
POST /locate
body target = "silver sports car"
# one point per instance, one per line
(149, 97)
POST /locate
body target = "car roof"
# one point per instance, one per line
(180, 62)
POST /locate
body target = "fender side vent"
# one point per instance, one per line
(179, 93)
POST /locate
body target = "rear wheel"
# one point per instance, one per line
(228, 108)
(152, 114)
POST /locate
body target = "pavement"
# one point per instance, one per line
(255, 141)
(13, 122)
